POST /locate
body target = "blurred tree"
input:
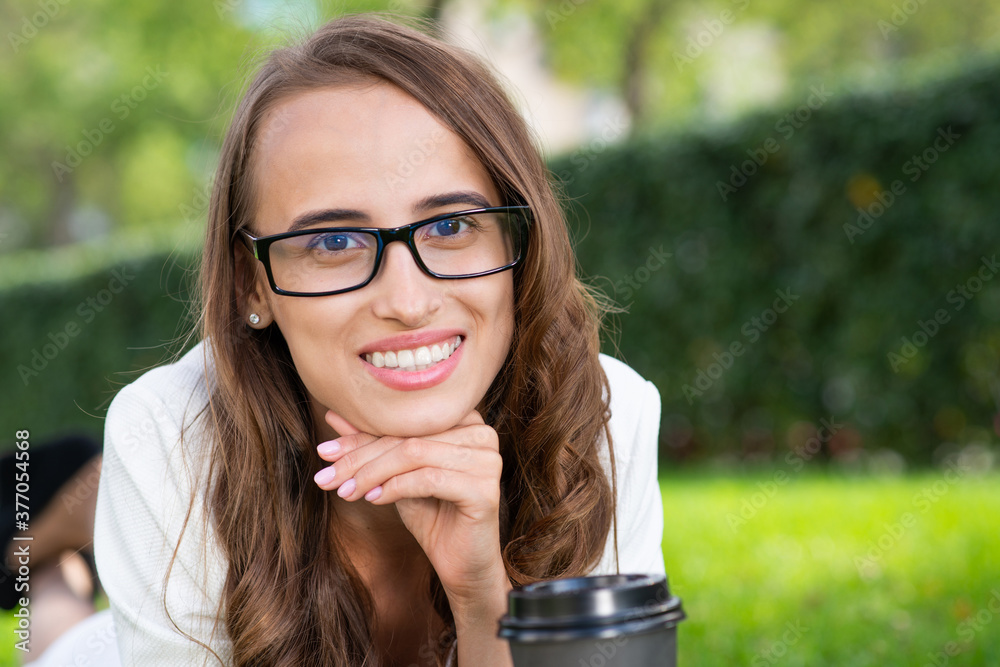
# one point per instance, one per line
(679, 60)
(105, 109)
(110, 111)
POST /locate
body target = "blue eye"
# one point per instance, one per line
(448, 227)
(335, 242)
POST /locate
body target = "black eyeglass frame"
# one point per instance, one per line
(259, 246)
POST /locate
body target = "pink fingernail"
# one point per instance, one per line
(347, 488)
(325, 476)
(374, 494)
(328, 448)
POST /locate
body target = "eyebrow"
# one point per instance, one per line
(470, 198)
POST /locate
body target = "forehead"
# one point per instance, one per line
(367, 146)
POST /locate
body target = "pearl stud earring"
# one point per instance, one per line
(254, 318)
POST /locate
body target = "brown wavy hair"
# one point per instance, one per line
(292, 597)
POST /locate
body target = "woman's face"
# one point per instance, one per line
(380, 159)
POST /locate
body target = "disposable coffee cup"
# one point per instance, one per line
(625, 620)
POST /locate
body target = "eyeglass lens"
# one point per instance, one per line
(327, 261)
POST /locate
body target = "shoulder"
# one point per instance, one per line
(148, 418)
(167, 393)
(635, 407)
(624, 380)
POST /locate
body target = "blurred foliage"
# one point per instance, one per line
(106, 110)
(111, 110)
(775, 204)
(693, 54)
(701, 268)
(76, 342)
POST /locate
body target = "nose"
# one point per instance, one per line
(402, 291)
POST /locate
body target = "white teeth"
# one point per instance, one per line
(414, 360)
(405, 358)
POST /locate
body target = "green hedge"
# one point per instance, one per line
(70, 345)
(669, 228)
(862, 284)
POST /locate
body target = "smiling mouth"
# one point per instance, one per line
(417, 359)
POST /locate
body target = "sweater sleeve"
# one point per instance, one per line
(148, 480)
(640, 513)
(635, 426)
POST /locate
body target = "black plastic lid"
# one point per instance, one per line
(603, 605)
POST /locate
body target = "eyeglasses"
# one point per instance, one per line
(321, 262)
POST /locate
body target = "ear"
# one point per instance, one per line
(253, 292)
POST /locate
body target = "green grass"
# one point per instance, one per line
(794, 564)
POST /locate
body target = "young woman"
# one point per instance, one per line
(398, 409)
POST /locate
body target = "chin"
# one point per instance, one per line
(406, 424)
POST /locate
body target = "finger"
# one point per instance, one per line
(355, 451)
(414, 454)
(470, 495)
(478, 435)
(332, 450)
(348, 438)
(362, 456)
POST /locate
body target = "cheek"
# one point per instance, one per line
(313, 331)
(496, 307)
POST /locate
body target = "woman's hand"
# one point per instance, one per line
(446, 488)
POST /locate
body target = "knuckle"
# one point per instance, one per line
(348, 461)
(463, 454)
(435, 477)
(414, 448)
(486, 436)
(493, 463)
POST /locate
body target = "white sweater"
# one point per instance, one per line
(147, 479)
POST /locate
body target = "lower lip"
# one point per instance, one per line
(413, 380)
